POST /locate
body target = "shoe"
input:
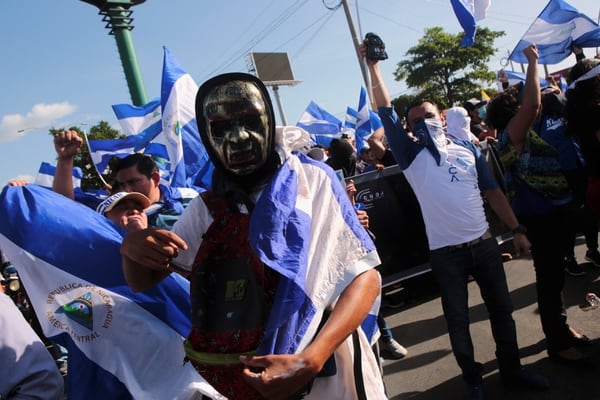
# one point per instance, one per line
(579, 339)
(506, 257)
(385, 303)
(526, 379)
(571, 357)
(475, 392)
(392, 350)
(572, 267)
(593, 256)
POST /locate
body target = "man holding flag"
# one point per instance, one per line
(274, 314)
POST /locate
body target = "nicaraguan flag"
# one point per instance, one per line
(121, 344)
(190, 163)
(166, 129)
(554, 31)
(305, 228)
(144, 125)
(363, 125)
(468, 13)
(320, 124)
(140, 120)
(46, 172)
(91, 198)
(375, 121)
(103, 150)
(515, 78)
(351, 118)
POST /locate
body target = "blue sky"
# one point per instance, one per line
(61, 68)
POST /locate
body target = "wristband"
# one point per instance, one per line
(519, 229)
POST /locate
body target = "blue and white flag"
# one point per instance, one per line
(165, 128)
(140, 120)
(103, 150)
(190, 163)
(351, 118)
(468, 13)
(121, 344)
(320, 124)
(516, 78)
(555, 30)
(305, 228)
(91, 198)
(46, 172)
(363, 125)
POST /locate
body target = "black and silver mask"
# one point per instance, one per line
(236, 123)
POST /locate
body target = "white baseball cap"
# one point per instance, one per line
(113, 200)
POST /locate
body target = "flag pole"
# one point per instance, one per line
(87, 143)
(356, 42)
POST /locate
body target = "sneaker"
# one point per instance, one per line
(572, 267)
(526, 379)
(475, 392)
(593, 256)
(392, 350)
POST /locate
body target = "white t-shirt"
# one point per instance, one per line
(449, 196)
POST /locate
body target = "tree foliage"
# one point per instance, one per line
(83, 160)
(443, 71)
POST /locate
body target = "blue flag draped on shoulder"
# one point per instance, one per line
(468, 12)
(121, 344)
(320, 124)
(304, 196)
(555, 30)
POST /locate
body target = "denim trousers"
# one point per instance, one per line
(451, 267)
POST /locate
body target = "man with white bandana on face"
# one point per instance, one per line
(449, 179)
(253, 247)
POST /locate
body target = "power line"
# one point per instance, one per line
(272, 26)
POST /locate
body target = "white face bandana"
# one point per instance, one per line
(438, 136)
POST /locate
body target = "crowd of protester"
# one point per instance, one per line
(548, 144)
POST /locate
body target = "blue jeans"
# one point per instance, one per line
(386, 332)
(451, 267)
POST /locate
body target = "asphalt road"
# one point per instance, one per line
(430, 372)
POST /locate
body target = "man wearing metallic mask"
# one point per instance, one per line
(281, 307)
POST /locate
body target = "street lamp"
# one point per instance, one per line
(117, 15)
(31, 128)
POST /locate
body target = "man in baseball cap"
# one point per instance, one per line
(126, 210)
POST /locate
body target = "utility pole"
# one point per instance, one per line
(357, 41)
(117, 15)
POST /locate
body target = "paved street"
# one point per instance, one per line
(430, 372)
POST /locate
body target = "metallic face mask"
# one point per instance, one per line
(237, 126)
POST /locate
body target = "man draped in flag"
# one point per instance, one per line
(555, 31)
(280, 305)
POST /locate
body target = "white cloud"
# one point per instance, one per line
(41, 117)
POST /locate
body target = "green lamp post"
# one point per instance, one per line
(117, 15)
